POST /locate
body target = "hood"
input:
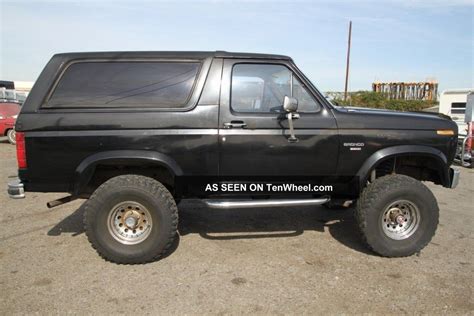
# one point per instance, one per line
(358, 117)
(397, 113)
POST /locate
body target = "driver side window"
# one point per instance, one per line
(261, 88)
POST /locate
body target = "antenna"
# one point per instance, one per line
(348, 58)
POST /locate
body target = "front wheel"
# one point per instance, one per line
(131, 219)
(397, 215)
(11, 135)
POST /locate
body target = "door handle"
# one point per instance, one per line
(235, 124)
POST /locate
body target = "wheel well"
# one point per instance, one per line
(104, 172)
(420, 167)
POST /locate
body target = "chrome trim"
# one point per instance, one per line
(292, 116)
(455, 178)
(227, 204)
(194, 131)
(463, 153)
(16, 189)
(276, 131)
(141, 132)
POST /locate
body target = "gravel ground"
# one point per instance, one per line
(282, 261)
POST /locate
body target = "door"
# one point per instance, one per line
(253, 128)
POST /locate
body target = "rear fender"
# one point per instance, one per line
(86, 168)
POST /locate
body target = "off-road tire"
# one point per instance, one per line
(374, 200)
(146, 191)
(11, 136)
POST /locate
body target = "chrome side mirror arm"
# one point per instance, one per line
(292, 116)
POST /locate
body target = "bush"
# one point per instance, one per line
(378, 100)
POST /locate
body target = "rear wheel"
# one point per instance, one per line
(131, 219)
(11, 135)
(397, 215)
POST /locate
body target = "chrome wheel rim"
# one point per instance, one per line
(129, 222)
(13, 136)
(400, 220)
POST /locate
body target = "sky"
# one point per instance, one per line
(392, 40)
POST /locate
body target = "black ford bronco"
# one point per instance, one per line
(136, 132)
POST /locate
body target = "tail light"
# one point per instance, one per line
(21, 150)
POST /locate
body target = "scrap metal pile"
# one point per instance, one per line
(408, 90)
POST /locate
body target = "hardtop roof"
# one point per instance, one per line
(171, 54)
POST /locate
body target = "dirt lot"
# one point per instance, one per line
(288, 261)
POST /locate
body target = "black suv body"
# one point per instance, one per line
(97, 125)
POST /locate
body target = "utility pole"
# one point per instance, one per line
(348, 58)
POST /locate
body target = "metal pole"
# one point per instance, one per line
(348, 57)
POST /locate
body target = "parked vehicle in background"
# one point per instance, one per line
(8, 115)
(465, 152)
(453, 103)
(12, 95)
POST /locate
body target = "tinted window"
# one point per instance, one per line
(262, 87)
(125, 84)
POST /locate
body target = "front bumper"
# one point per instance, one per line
(16, 189)
(454, 174)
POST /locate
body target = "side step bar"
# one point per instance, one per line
(227, 204)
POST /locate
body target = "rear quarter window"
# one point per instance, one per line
(125, 84)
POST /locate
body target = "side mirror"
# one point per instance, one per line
(290, 104)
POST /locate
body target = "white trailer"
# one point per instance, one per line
(453, 103)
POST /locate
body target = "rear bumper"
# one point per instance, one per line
(16, 190)
(454, 175)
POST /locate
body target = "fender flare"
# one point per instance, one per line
(390, 152)
(86, 168)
